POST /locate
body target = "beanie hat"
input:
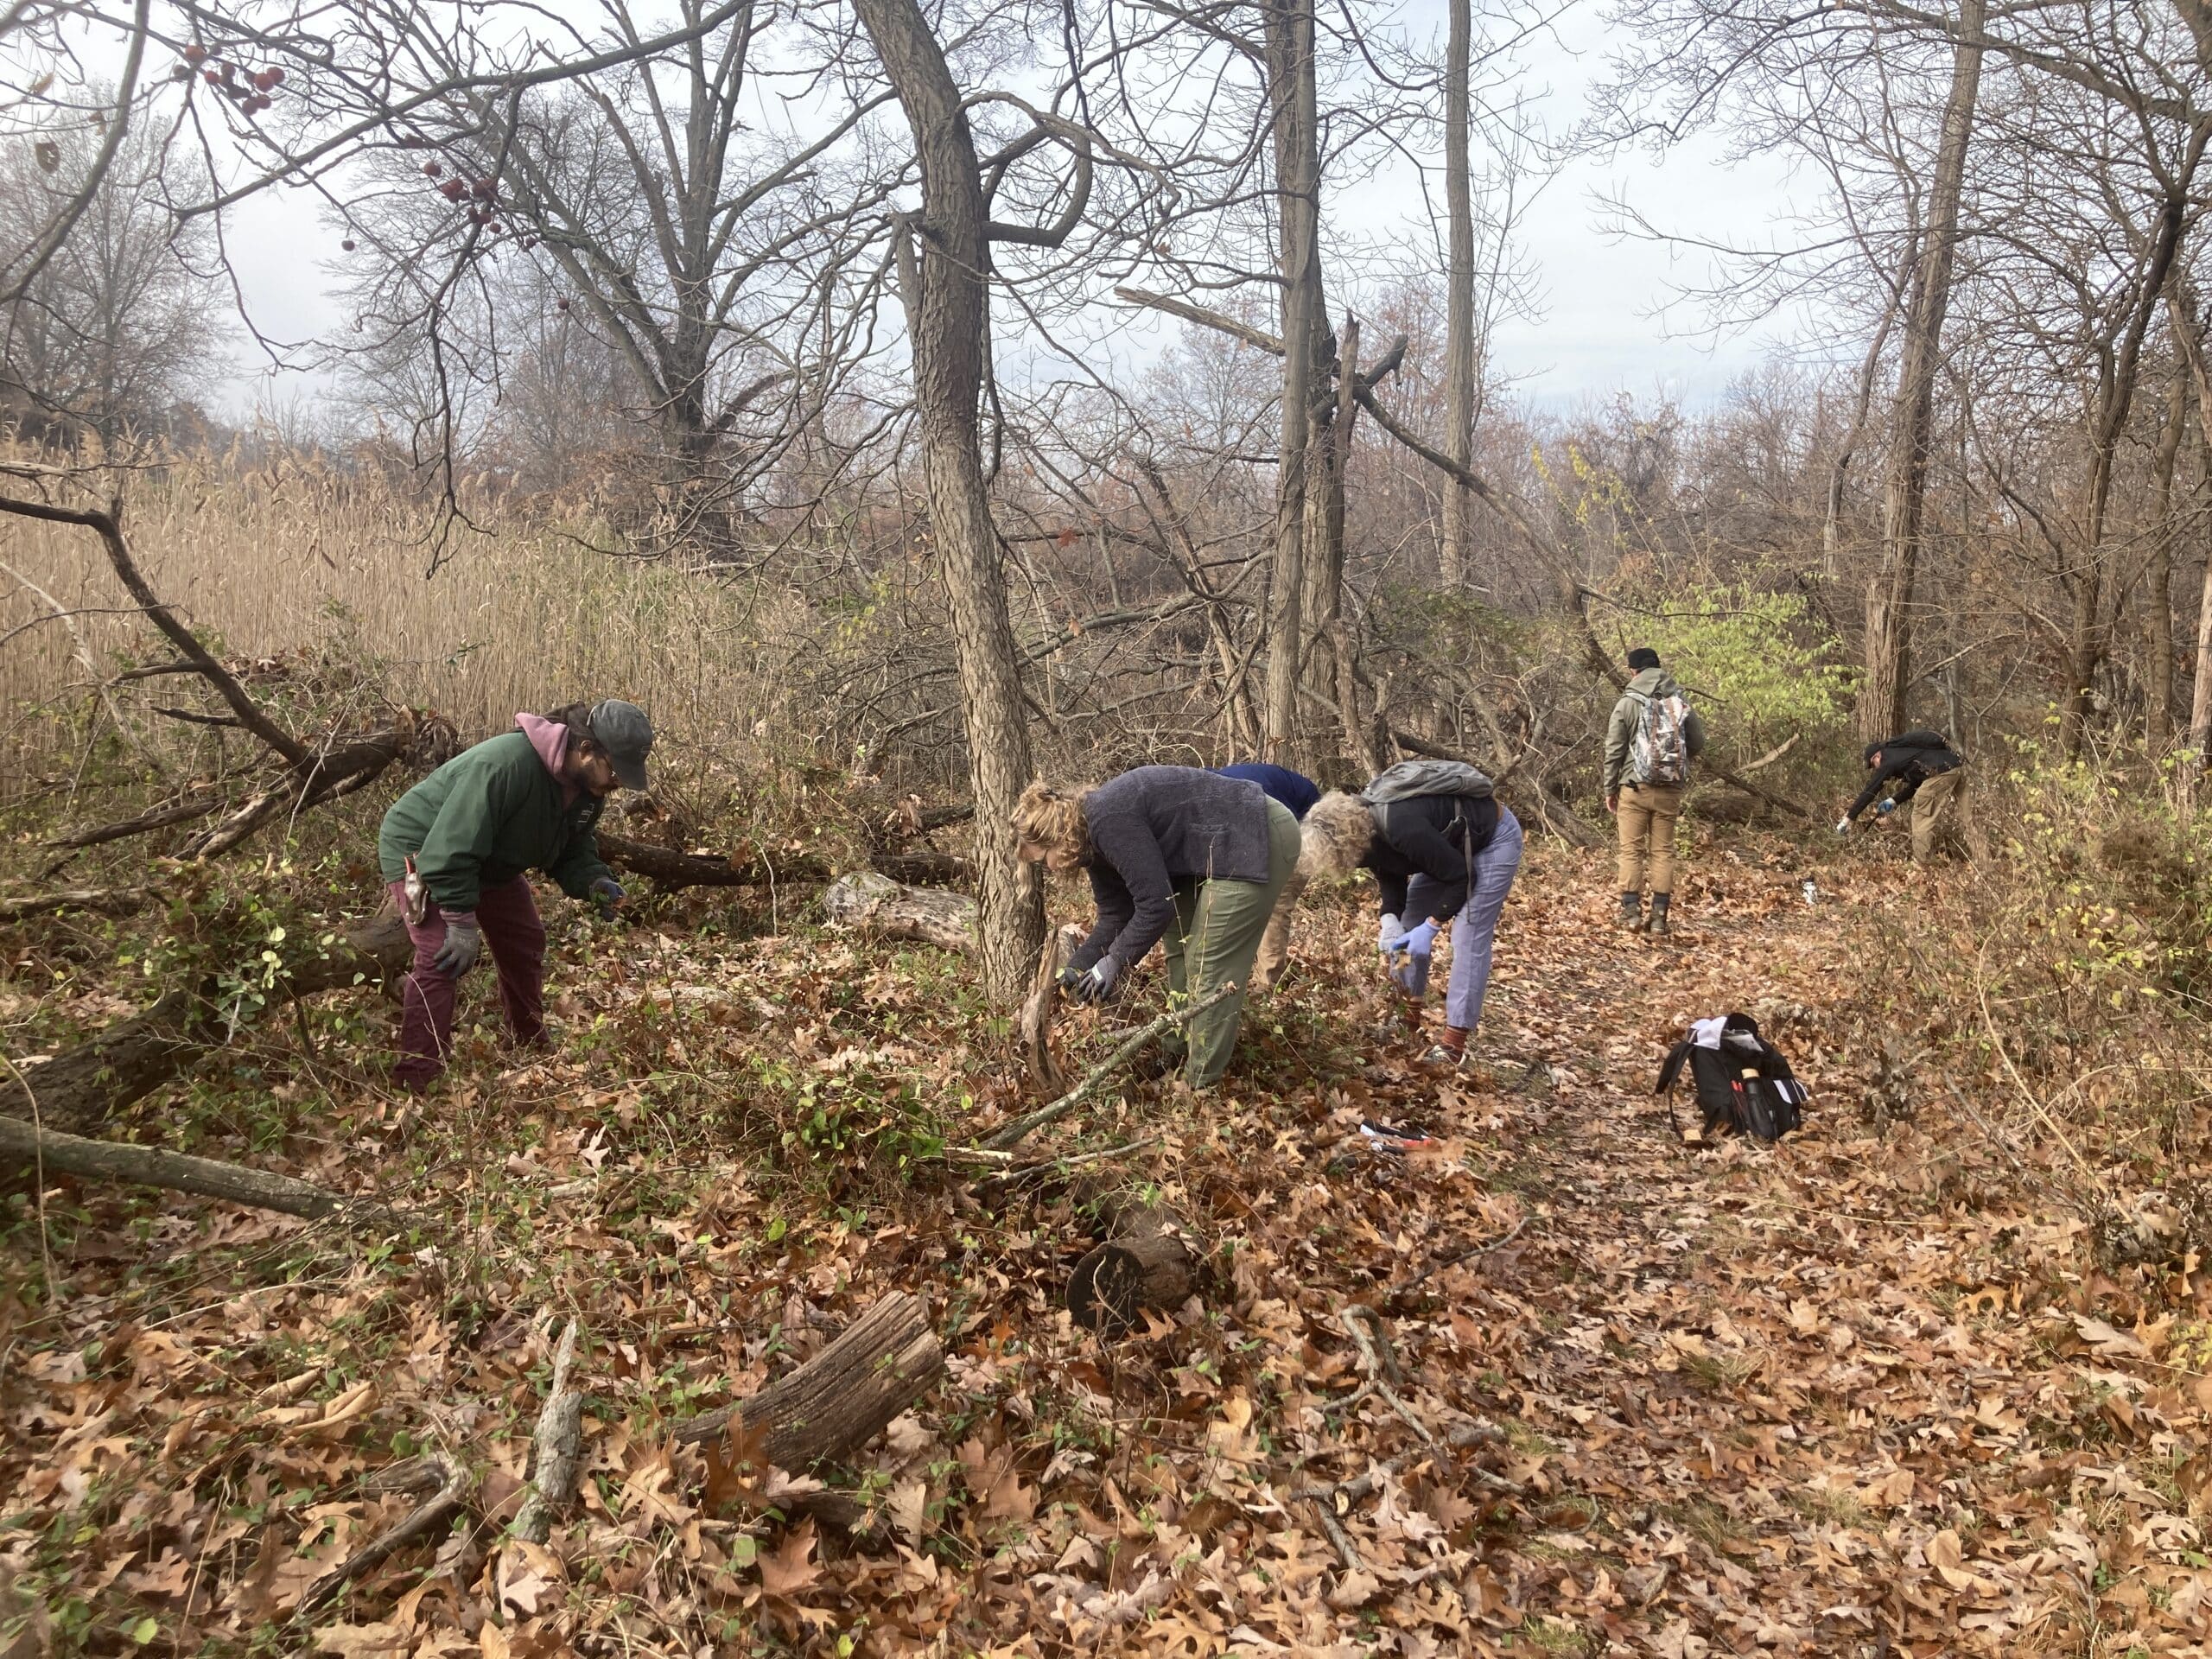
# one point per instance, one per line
(1641, 658)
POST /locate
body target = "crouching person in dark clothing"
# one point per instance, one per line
(1175, 855)
(1442, 861)
(1921, 768)
(455, 851)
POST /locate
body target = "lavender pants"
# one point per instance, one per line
(1474, 929)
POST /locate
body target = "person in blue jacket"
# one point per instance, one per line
(1293, 789)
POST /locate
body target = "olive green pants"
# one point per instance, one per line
(1213, 942)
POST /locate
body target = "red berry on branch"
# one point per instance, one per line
(431, 169)
(213, 80)
(277, 76)
(451, 190)
(347, 245)
(195, 53)
(230, 72)
(264, 79)
(561, 304)
(183, 71)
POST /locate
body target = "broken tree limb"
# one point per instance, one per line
(452, 1489)
(106, 901)
(1145, 1262)
(158, 818)
(1035, 1023)
(867, 901)
(52, 1151)
(80, 1087)
(1021, 1128)
(557, 1459)
(842, 1398)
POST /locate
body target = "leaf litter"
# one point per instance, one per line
(1546, 1381)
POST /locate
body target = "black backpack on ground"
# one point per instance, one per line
(1743, 1084)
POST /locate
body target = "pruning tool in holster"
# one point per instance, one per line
(416, 906)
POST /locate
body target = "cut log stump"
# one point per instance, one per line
(870, 902)
(844, 1397)
(1146, 1264)
(1036, 1021)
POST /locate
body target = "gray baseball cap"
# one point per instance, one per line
(623, 731)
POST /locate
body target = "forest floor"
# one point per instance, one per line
(1868, 1392)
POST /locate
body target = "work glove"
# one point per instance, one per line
(1843, 826)
(1098, 984)
(1418, 941)
(607, 893)
(1392, 927)
(1885, 808)
(463, 943)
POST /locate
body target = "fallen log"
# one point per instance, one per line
(106, 901)
(449, 1485)
(842, 1398)
(1146, 1262)
(674, 869)
(51, 1152)
(870, 902)
(81, 1088)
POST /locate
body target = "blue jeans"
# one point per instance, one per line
(1474, 929)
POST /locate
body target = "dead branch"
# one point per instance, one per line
(452, 1492)
(50, 1150)
(1022, 1128)
(556, 1461)
(842, 1398)
(107, 902)
(1035, 1023)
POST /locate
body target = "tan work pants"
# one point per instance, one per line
(1646, 818)
(1938, 805)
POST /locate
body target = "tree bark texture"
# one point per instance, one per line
(1295, 140)
(870, 902)
(1458, 552)
(1888, 600)
(944, 263)
(1145, 1263)
(2188, 344)
(842, 1398)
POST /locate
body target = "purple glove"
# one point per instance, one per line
(1417, 941)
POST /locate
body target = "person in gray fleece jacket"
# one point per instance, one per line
(1175, 855)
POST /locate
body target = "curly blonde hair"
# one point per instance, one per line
(1050, 819)
(1335, 837)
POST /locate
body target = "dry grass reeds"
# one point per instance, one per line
(276, 558)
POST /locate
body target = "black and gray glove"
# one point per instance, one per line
(464, 942)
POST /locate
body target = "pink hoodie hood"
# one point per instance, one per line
(551, 738)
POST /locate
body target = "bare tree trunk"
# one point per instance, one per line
(1889, 598)
(2158, 723)
(944, 286)
(2087, 638)
(1459, 303)
(2189, 341)
(1324, 554)
(1298, 190)
(1840, 468)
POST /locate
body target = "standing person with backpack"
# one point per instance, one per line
(1649, 743)
(1921, 767)
(1444, 851)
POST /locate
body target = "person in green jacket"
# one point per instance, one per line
(455, 851)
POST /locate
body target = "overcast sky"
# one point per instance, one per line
(1608, 315)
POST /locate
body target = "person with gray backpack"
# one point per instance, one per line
(1443, 850)
(1649, 743)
